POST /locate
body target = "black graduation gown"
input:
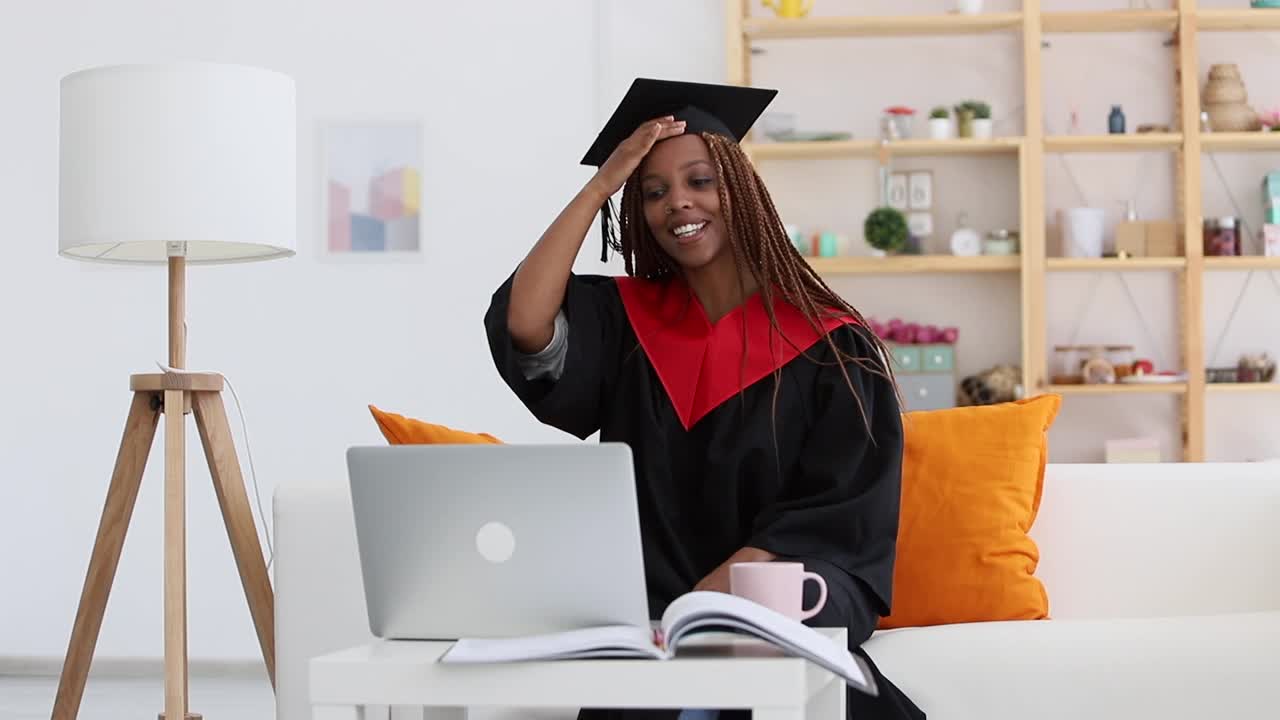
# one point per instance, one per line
(789, 467)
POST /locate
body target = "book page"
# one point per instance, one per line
(620, 641)
(710, 611)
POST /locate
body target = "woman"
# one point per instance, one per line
(762, 417)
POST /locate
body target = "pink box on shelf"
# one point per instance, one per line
(1271, 240)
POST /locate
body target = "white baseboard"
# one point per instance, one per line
(108, 667)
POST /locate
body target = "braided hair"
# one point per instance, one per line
(760, 246)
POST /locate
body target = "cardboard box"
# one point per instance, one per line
(1131, 239)
(1151, 238)
(1162, 239)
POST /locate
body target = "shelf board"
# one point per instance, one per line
(1239, 141)
(1242, 387)
(1119, 389)
(1248, 262)
(880, 25)
(1129, 142)
(1115, 264)
(869, 148)
(901, 264)
(1110, 21)
(1239, 20)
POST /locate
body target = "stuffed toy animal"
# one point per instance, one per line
(1002, 383)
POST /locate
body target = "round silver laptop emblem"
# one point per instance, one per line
(496, 542)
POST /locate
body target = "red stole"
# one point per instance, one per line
(701, 363)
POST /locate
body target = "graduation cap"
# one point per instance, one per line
(728, 110)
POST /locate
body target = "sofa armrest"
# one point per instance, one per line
(1148, 540)
(320, 605)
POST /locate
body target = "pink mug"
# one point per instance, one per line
(778, 586)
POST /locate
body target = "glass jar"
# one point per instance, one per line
(896, 123)
(1121, 359)
(1221, 238)
(1097, 368)
(1001, 242)
(1067, 365)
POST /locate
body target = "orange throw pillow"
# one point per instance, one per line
(400, 430)
(972, 478)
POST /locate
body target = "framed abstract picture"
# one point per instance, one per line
(372, 189)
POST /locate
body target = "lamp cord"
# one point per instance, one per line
(253, 474)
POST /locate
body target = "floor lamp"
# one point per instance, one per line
(174, 165)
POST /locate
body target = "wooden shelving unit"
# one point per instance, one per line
(1242, 263)
(1186, 142)
(1240, 142)
(871, 148)
(1110, 21)
(879, 26)
(915, 264)
(1115, 264)
(1239, 20)
(1120, 389)
(1271, 387)
(1136, 142)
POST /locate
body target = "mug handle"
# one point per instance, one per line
(822, 595)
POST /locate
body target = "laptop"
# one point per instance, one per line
(497, 540)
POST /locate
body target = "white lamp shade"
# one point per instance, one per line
(193, 159)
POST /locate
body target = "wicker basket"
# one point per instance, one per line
(1227, 101)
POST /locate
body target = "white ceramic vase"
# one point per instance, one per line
(982, 128)
(940, 129)
(969, 7)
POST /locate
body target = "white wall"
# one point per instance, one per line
(308, 344)
(506, 95)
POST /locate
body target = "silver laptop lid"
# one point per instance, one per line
(497, 540)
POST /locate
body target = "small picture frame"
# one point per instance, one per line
(920, 224)
(920, 190)
(898, 192)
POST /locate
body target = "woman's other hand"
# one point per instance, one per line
(718, 579)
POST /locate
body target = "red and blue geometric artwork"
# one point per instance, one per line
(373, 188)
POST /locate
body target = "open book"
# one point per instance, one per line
(690, 614)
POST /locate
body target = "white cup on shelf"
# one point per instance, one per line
(1083, 232)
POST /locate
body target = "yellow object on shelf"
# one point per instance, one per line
(790, 8)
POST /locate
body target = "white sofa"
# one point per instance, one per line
(1163, 582)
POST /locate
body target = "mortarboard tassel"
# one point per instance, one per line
(608, 220)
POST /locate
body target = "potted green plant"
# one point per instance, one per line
(940, 123)
(981, 120)
(886, 229)
(964, 118)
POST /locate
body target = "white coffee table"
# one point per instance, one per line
(720, 671)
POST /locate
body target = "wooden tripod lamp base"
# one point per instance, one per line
(152, 396)
(173, 394)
